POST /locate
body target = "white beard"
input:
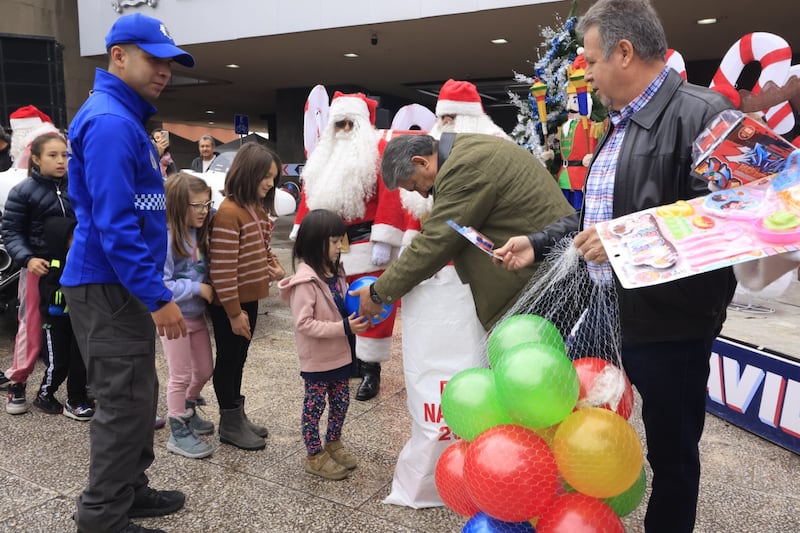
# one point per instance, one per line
(415, 203)
(468, 124)
(342, 173)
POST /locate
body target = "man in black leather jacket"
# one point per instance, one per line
(644, 160)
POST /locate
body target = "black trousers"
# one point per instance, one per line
(231, 354)
(63, 360)
(116, 336)
(671, 377)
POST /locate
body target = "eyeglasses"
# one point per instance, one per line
(342, 124)
(202, 206)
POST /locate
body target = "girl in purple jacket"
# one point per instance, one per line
(186, 274)
(325, 338)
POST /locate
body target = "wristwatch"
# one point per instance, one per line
(374, 295)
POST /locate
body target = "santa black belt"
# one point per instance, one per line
(359, 232)
(572, 163)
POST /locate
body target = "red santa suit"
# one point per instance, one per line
(439, 318)
(371, 213)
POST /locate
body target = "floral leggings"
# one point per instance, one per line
(338, 393)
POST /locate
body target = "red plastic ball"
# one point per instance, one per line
(511, 473)
(577, 513)
(449, 477)
(600, 384)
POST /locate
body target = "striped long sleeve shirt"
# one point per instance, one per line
(238, 257)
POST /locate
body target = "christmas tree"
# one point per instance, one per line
(557, 51)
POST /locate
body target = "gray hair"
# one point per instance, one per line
(207, 137)
(634, 20)
(396, 164)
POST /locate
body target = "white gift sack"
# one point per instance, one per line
(441, 337)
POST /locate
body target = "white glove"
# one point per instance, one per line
(293, 233)
(548, 155)
(381, 253)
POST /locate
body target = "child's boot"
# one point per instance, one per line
(340, 454)
(199, 425)
(184, 442)
(233, 429)
(323, 465)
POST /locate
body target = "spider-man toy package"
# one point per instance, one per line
(736, 149)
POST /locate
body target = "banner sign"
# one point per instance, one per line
(757, 390)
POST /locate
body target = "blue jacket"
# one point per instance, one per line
(118, 195)
(30, 202)
(183, 277)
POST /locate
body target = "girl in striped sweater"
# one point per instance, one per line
(241, 266)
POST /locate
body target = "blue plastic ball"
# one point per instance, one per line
(351, 303)
(483, 523)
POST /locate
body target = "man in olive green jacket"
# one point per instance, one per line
(480, 181)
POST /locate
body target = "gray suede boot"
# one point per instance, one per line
(184, 442)
(233, 429)
(261, 431)
(200, 426)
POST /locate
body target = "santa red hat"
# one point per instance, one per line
(458, 98)
(355, 104)
(26, 123)
(27, 116)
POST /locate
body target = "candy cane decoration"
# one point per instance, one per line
(676, 62)
(775, 57)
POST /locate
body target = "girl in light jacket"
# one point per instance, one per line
(325, 337)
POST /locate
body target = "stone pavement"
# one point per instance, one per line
(748, 484)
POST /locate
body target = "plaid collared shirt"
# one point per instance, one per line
(599, 199)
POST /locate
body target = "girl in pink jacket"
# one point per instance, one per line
(325, 338)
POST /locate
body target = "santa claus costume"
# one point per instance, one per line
(341, 175)
(441, 331)
(27, 123)
(459, 110)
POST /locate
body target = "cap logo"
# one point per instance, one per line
(164, 31)
(118, 6)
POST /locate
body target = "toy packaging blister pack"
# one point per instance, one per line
(719, 229)
(474, 236)
(736, 149)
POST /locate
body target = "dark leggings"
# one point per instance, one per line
(338, 393)
(231, 355)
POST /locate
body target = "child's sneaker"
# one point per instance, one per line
(82, 412)
(5, 382)
(16, 404)
(340, 454)
(47, 403)
(323, 465)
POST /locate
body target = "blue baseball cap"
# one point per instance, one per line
(150, 35)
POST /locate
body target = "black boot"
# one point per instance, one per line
(371, 385)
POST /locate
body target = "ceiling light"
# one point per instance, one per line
(707, 21)
(232, 65)
(499, 41)
(351, 54)
(209, 112)
(210, 121)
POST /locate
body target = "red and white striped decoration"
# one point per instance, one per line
(775, 56)
(676, 62)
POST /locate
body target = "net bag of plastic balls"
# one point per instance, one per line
(545, 436)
